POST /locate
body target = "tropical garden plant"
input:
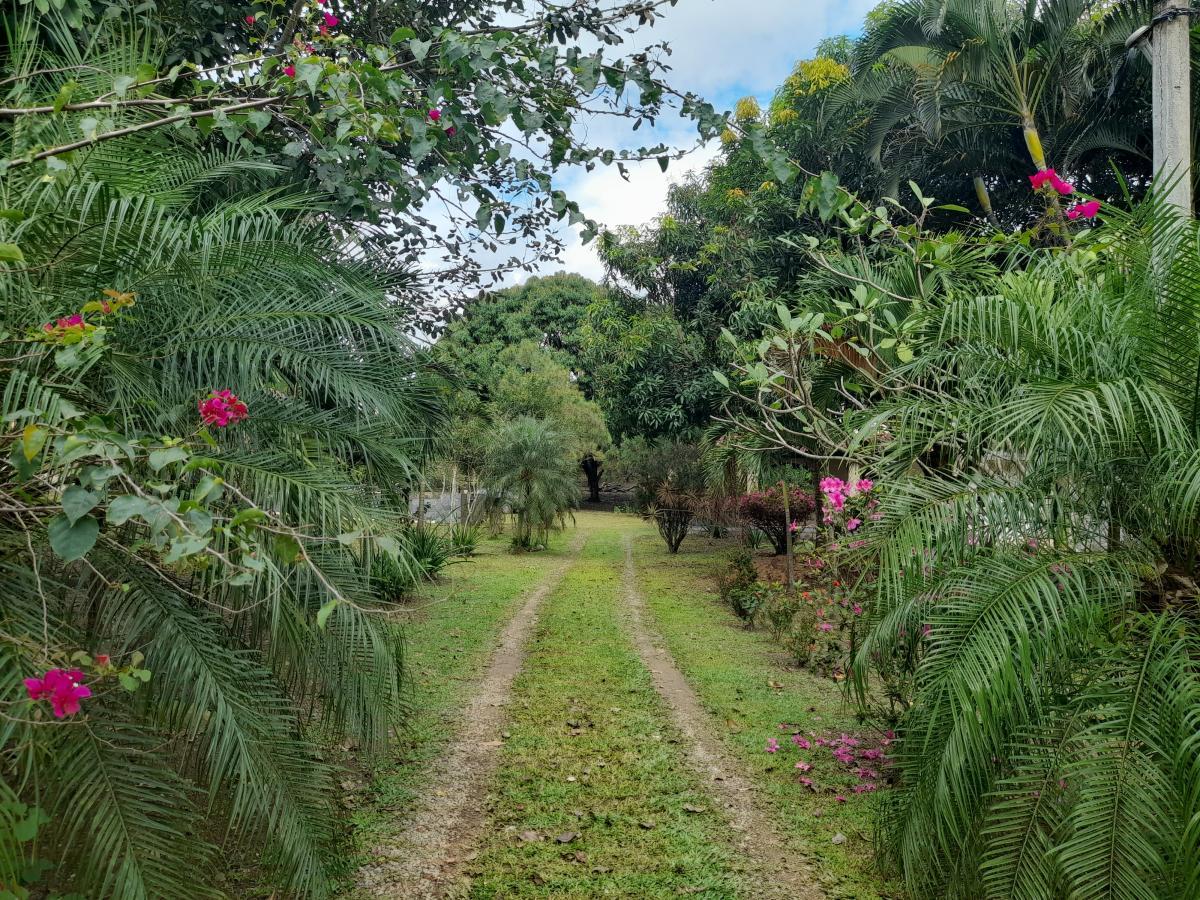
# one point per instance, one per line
(530, 473)
(211, 416)
(1033, 560)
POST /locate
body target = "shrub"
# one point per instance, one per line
(737, 584)
(764, 510)
(464, 540)
(673, 513)
(428, 548)
(647, 466)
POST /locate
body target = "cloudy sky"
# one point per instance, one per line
(723, 50)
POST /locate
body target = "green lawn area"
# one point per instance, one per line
(450, 631)
(748, 683)
(591, 798)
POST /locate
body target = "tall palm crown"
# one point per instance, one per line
(996, 89)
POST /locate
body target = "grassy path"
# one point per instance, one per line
(593, 797)
(748, 685)
(600, 788)
(450, 632)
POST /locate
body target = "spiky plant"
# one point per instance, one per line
(530, 470)
(1036, 557)
(218, 591)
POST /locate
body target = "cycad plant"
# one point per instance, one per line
(1031, 572)
(1036, 558)
(530, 470)
(209, 412)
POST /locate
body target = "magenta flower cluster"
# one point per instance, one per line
(1086, 210)
(222, 408)
(64, 688)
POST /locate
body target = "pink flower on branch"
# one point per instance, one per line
(222, 408)
(64, 689)
(1086, 210)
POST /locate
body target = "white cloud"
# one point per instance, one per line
(721, 49)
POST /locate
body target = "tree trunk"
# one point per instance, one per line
(593, 469)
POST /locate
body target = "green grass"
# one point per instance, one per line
(750, 686)
(591, 753)
(450, 631)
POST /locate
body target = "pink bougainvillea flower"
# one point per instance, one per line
(1063, 187)
(323, 30)
(222, 408)
(801, 742)
(435, 114)
(803, 766)
(65, 699)
(858, 610)
(65, 322)
(825, 626)
(840, 799)
(772, 745)
(62, 687)
(1045, 176)
(1084, 210)
(101, 659)
(852, 524)
(808, 783)
(249, 20)
(48, 327)
(794, 527)
(331, 21)
(451, 131)
(863, 485)
(290, 71)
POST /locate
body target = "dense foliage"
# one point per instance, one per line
(212, 413)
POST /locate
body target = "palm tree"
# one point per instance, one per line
(529, 468)
(948, 82)
(1040, 577)
(242, 281)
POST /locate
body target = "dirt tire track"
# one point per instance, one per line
(779, 870)
(424, 862)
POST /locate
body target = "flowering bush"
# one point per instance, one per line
(764, 510)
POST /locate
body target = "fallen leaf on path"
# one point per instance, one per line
(567, 836)
(693, 808)
(646, 825)
(600, 870)
(838, 838)
(538, 878)
(530, 836)
(572, 778)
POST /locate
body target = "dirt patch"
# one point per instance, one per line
(780, 871)
(425, 861)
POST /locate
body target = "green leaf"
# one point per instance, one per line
(11, 253)
(166, 456)
(77, 502)
(419, 49)
(64, 95)
(123, 83)
(32, 441)
(123, 508)
(72, 541)
(326, 611)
